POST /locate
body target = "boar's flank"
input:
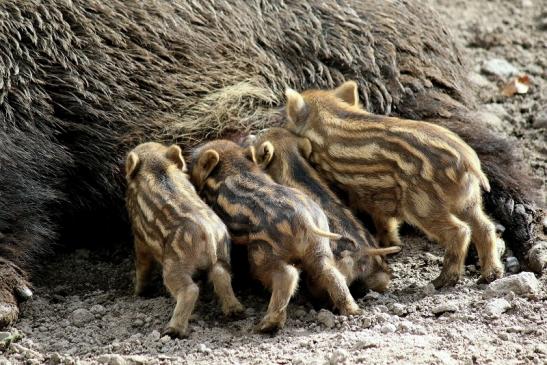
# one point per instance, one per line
(396, 169)
(82, 82)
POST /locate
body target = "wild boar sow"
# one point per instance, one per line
(283, 155)
(173, 226)
(283, 228)
(82, 82)
(397, 169)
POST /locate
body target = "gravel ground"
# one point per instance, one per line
(83, 311)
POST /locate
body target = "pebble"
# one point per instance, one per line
(97, 309)
(491, 120)
(434, 259)
(81, 316)
(154, 335)
(300, 313)
(512, 264)
(382, 317)
(398, 309)
(111, 359)
(478, 79)
(444, 307)
(504, 336)
(326, 318)
(388, 328)
(499, 67)
(138, 322)
(545, 224)
(429, 289)
(537, 257)
(367, 322)
(204, 349)
(339, 357)
(405, 326)
(4, 335)
(540, 120)
(496, 307)
(521, 284)
(165, 339)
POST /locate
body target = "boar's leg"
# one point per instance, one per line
(13, 286)
(483, 235)
(278, 276)
(219, 275)
(455, 236)
(387, 230)
(179, 282)
(323, 273)
(144, 263)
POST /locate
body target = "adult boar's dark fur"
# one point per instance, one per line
(82, 82)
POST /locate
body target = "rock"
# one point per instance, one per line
(501, 113)
(55, 359)
(499, 228)
(500, 246)
(300, 313)
(154, 335)
(405, 327)
(499, 67)
(137, 323)
(496, 307)
(367, 322)
(326, 318)
(545, 224)
(388, 328)
(444, 307)
(429, 289)
(512, 264)
(541, 349)
(339, 357)
(165, 339)
(382, 317)
(521, 284)
(504, 336)
(398, 309)
(111, 359)
(433, 259)
(540, 120)
(537, 257)
(204, 349)
(81, 316)
(97, 309)
(4, 335)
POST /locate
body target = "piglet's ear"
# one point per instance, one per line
(174, 154)
(207, 162)
(131, 164)
(264, 154)
(304, 146)
(348, 92)
(296, 106)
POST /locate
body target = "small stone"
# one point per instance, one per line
(81, 316)
(165, 339)
(540, 119)
(496, 307)
(444, 307)
(521, 284)
(537, 257)
(499, 67)
(490, 119)
(154, 335)
(545, 224)
(383, 317)
(326, 318)
(429, 289)
(4, 335)
(503, 336)
(499, 228)
(249, 312)
(300, 313)
(398, 309)
(405, 327)
(204, 349)
(138, 322)
(111, 359)
(367, 322)
(434, 259)
(55, 359)
(512, 264)
(97, 309)
(541, 349)
(388, 328)
(500, 246)
(339, 357)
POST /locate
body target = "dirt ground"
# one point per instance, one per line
(83, 311)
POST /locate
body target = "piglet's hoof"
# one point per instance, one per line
(446, 280)
(175, 333)
(268, 327)
(490, 275)
(235, 312)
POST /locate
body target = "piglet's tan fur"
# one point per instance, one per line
(174, 227)
(397, 169)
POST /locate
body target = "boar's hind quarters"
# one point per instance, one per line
(348, 92)
(131, 164)
(174, 154)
